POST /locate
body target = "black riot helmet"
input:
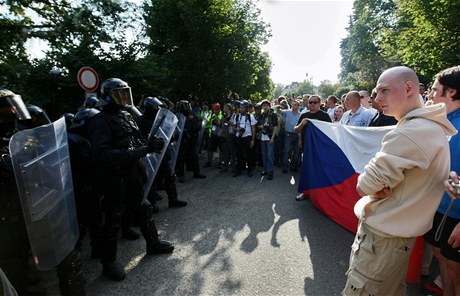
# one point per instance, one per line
(131, 109)
(82, 116)
(90, 102)
(152, 103)
(184, 107)
(38, 115)
(115, 91)
(12, 107)
(68, 117)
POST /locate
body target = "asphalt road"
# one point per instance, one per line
(237, 236)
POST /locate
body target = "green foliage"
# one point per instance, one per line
(182, 49)
(421, 34)
(208, 47)
(325, 89)
(428, 35)
(362, 59)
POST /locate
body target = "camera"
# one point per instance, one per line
(265, 128)
(240, 132)
(456, 188)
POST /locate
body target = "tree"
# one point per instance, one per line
(362, 58)
(207, 48)
(326, 88)
(427, 36)
(85, 33)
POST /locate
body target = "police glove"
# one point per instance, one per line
(138, 152)
(155, 144)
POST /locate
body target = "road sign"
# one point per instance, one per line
(88, 79)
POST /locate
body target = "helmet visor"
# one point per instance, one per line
(12, 108)
(122, 96)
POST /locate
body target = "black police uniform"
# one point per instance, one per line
(117, 146)
(165, 177)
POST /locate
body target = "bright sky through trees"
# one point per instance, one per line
(306, 38)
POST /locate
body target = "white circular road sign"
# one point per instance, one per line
(88, 79)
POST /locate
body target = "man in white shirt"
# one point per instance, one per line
(366, 101)
(356, 115)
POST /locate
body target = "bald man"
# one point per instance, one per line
(401, 187)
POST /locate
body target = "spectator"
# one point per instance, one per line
(356, 115)
(379, 118)
(366, 101)
(313, 113)
(257, 145)
(331, 103)
(226, 138)
(244, 125)
(269, 122)
(339, 111)
(291, 138)
(400, 187)
(446, 89)
(304, 107)
(213, 122)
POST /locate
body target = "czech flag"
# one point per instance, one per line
(333, 157)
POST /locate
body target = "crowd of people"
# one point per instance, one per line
(108, 137)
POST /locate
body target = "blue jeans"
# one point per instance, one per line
(291, 143)
(268, 156)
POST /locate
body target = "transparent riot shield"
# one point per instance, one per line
(163, 127)
(41, 163)
(175, 145)
(200, 136)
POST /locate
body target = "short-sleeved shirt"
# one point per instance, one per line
(320, 115)
(290, 120)
(362, 117)
(243, 122)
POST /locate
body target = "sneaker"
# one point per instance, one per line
(432, 289)
(301, 196)
(114, 271)
(270, 177)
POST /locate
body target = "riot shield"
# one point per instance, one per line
(174, 146)
(200, 136)
(163, 127)
(41, 163)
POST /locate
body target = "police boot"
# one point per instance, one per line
(171, 191)
(111, 267)
(196, 173)
(113, 270)
(150, 233)
(97, 241)
(127, 231)
(71, 279)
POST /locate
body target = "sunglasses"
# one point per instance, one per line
(313, 102)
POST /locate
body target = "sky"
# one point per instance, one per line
(305, 42)
(306, 38)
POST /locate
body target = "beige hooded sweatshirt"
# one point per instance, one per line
(414, 162)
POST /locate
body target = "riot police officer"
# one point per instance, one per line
(165, 176)
(14, 246)
(117, 146)
(188, 155)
